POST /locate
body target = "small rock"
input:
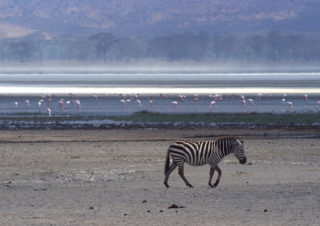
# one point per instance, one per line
(144, 201)
(265, 210)
(91, 207)
(174, 206)
(161, 211)
(148, 211)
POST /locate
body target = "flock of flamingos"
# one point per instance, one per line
(49, 103)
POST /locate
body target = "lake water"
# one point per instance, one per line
(124, 93)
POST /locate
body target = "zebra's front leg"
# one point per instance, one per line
(219, 175)
(181, 173)
(210, 176)
(171, 168)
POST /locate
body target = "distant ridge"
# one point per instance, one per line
(153, 17)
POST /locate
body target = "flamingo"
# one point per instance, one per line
(123, 104)
(305, 96)
(78, 104)
(243, 102)
(16, 105)
(212, 103)
(40, 102)
(318, 103)
(27, 103)
(290, 104)
(181, 97)
(251, 101)
(175, 105)
(48, 110)
(68, 103)
(195, 100)
(150, 104)
(139, 103)
(61, 104)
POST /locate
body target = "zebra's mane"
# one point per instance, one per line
(226, 138)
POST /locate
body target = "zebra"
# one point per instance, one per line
(203, 152)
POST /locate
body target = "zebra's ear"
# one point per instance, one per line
(241, 141)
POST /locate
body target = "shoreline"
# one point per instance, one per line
(152, 120)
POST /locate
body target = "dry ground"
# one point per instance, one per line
(115, 177)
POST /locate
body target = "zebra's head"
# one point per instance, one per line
(238, 151)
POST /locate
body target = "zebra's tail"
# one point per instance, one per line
(166, 166)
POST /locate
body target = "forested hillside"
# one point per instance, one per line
(103, 47)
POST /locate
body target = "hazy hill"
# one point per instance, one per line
(154, 17)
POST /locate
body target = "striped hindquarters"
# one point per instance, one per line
(193, 153)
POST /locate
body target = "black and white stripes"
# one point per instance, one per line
(203, 152)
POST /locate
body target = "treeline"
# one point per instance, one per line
(105, 47)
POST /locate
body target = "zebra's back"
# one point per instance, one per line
(192, 152)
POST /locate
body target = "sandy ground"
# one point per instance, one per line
(115, 177)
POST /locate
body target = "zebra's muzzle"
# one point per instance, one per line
(243, 160)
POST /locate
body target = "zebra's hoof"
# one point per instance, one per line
(211, 185)
(215, 185)
(189, 185)
(166, 185)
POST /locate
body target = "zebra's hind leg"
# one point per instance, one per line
(181, 173)
(171, 168)
(211, 175)
(219, 175)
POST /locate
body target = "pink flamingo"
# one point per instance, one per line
(68, 103)
(150, 104)
(181, 97)
(212, 103)
(139, 103)
(27, 104)
(175, 105)
(48, 110)
(195, 100)
(78, 104)
(40, 104)
(243, 103)
(195, 97)
(123, 104)
(290, 104)
(251, 101)
(61, 104)
(16, 105)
